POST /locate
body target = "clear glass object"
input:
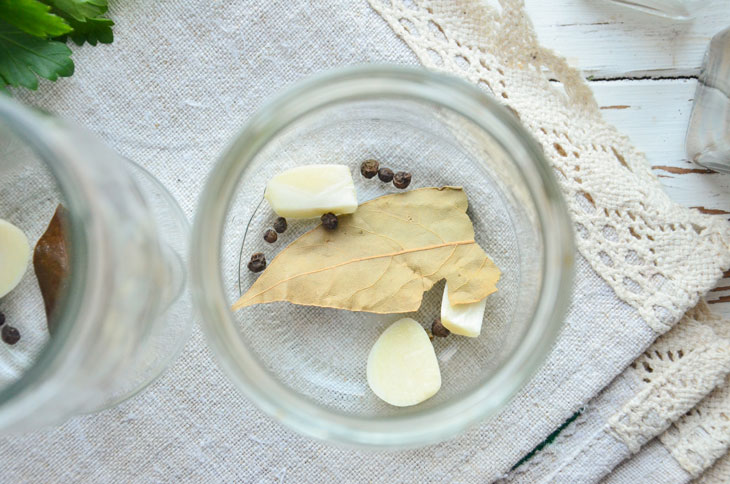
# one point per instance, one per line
(673, 9)
(708, 135)
(306, 366)
(125, 314)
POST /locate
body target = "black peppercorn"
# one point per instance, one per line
(270, 236)
(329, 221)
(385, 174)
(257, 262)
(438, 329)
(10, 335)
(2, 319)
(280, 225)
(402, 179)
(369, 168)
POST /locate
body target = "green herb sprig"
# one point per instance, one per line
(33, 36)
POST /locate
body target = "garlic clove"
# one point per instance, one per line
(402, 367)
(463, 319)
(14, 256)
(312, 190)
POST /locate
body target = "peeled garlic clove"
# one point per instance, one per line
(14, 256)
(402, 366)
(312, 190)
(463, 319)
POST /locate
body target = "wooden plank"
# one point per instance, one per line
(655, 114)
(611, 41)
(719, 298)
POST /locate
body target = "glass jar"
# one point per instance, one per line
(305, 365)
(708, 134)
(673, 9)
(122, 313)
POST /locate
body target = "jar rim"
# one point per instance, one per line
(355, 84)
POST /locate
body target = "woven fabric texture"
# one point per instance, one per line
(180, 80)
(695, 447)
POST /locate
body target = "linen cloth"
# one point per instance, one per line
(171, 91)
(693, 360)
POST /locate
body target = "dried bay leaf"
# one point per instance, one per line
(383, 257)
(51, 261)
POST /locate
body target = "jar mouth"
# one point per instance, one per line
(364, 83)
(39, 134)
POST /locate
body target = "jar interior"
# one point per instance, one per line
(320, 353)
(29, 196)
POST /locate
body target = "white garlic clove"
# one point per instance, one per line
(402, 367)
(463, 319)
(311, 191)
(14, 256)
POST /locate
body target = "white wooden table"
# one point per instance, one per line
(643, 71)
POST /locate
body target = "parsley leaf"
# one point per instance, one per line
(83, 16)
(29, 35)
(93, 30)
(23, 57)
(80, 10)
(33, 17)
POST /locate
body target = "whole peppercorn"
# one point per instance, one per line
(402, 179)
(385, 175)
(2, 319)
(438, 329)
(369, 168)
(329, 221)
(280, 225)
(257, 262)
(270, 236)
(10, 335)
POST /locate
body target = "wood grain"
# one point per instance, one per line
(656, 122)
(615, 42)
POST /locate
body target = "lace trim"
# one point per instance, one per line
(702, 435)
(676, 372)
(717, 474)
(657, 256)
